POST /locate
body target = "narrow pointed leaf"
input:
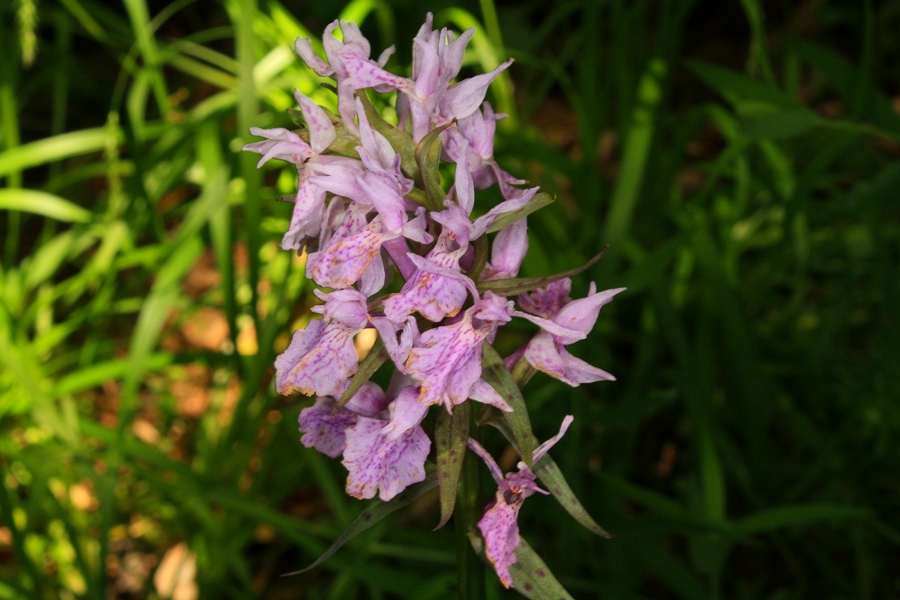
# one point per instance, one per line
(556, 483)
(376, 357)
(402, 143)
(479, 260)
(428, 157)
(539, 201)
(374, 513)
(495, 373)
(520, 285)
(451, 433)
(530, 574)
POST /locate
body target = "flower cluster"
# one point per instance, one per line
(370, 199)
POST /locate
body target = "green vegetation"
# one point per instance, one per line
(740, 158)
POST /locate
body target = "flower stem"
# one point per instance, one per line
(469, 567)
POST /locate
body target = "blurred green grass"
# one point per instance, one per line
(739, 157)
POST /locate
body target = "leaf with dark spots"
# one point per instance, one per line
(539, 201)
(376, 357)
(451, 433)
(552, 477)
(494, 372)
(531, 576)
(375, 512)
(520, 285)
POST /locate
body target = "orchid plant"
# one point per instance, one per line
(371, 199)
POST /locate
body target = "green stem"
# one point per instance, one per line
(469, 567)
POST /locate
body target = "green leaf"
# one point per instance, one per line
(376, 357)
(428, 158)
(494, 372)
(374, 513)
(556, 483)
(748, 96)
(520, 285)
(402, 143)
(42, 203)
(451, 434)
(539, 201)
(784, 124)
(530, 574)
(799, 515)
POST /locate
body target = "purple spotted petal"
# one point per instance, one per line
(548, 300)
(343, 262)
(323, 430)
(324, 368)
(376, 463)
(500, 531)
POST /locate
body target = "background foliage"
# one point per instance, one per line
(739, 157)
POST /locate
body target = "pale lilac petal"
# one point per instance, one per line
(545, 355)
(387, 201)
(561, 334)
(398, 350)
(323, 430)
(541, 450)
(406, 413)
(465, 188)
(282, 144)
(416, 228)
(452, 53)
(304, 49)
(581, 314)
(492, 465)
(321, 131)
(369, 401)
(482, 391)
(306, 218)
(463, 98)
(509, 250)
(347, 307)
(385, 55)
(376, 463)
(372, 279)
(521, 199)
(303, 341)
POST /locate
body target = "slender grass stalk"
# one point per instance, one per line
(471, 571)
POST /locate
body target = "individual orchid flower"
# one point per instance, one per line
(446, 361)
(546, 351)
(324, 428)
(499, 524)
(309, 203)
(472, 142)
(387, 455)
(350, 65)
(321, 358)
